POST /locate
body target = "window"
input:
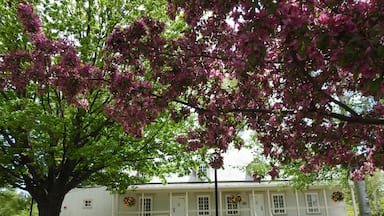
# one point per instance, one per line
(278, 202)
(203, 172)
(87, 203)
(312, 201)
(146, 206)
(203, 205)
(232, 207)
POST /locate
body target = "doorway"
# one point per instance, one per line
(178, 206)
(257, 204)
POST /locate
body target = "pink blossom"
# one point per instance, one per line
(83, 103)
(274, 173)
(357, 175)
(323, 18)
(29, 18)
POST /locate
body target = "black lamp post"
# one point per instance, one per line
(216, 195)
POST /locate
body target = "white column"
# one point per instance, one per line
(142, 204)
(186, 204)
(170, 204)
(353, 199)
(325, 202)
(253, 209)
(269, 202)
(297, 203)
(115, 203)
(220, 204)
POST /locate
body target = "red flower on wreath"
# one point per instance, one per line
(129, 201)
(337, 196)
(236, 198)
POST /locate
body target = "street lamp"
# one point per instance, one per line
(216, 194)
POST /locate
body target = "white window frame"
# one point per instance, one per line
(280, 207)
(203, 211)
(143, 211)
(232, 208)
(311, 204)
(87, 203)
(203, 168)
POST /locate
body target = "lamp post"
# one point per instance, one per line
(216, 194)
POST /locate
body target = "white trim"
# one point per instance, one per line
(235, 211)
(269, 202)
(141, 204)
(315, 209)
(206, 185)
(170, 204)
(220, 203)
(186, 204)
(115, 204)
(297, 203)
(142, 211)
(203, 211)
(325, 202)
(280, 210)
(253, 209)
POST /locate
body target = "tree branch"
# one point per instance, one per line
(352, 119)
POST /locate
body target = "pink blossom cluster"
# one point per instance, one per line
(51, 64)
(292, 62)
(280, 68)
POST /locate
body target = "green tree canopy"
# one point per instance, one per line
(55, 131)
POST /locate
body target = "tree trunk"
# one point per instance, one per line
(50, 205)
(362, 197)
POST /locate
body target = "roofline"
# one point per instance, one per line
(211, 182)
(222, 186)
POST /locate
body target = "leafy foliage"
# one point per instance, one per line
(14, 203)
(375, 189)
(287, 70)
(295, 171)
(55, 131)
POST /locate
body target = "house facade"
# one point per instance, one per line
(236, 195)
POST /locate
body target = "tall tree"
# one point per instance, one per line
(287, 69)
(55, 133)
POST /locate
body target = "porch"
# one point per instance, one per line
(236, 201)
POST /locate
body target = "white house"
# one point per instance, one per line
(237, 195)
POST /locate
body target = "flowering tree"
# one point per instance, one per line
(307, 76)
(54, 131)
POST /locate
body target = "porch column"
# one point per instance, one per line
(186, 204)
(253, 209)
(220, 204)
(142, 204)
(115, 204)
(353, 198)
(325, 202)
(170, 204)
(269, 202)
(297, 203)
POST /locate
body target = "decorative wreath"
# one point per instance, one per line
(337, 196)
(236, 198)
(129, 201)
